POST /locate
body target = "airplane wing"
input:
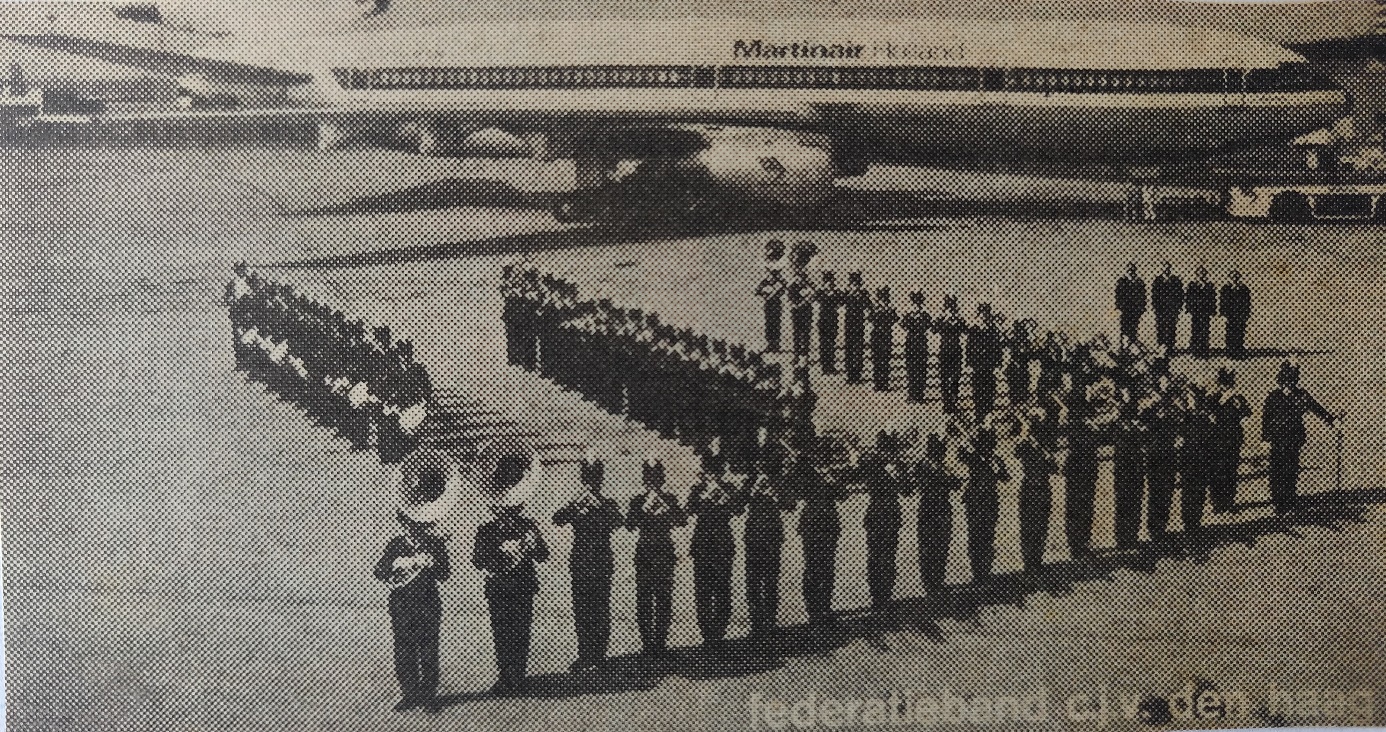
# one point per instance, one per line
(163, 63)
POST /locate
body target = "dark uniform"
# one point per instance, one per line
(886, 480)
(1167, 300)
(654, 513)
(829, 304)
(416, 614)
(984, 356)
(1195, 460)
(1201, 300)
(1282, 425)
(713, 502)
(593, 518)
(1228, 436)
(800, 294)
(1080, 472)
(765, 541)
(1131, 302)
(935, 518)
(1022, 351)
(950, 328)
(511, 584)
(916, 324)
(1235, 305)
(1161, 413)
(1036, 496)
(982, 502)
(819, 528)
(855, 302)
(883, 319)
(772, 291)
(1128, 474)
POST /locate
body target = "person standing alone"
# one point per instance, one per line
(1282, 425)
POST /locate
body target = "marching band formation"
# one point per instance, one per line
(761, 454)
(350, 377)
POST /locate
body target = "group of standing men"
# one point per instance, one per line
(355, 379)
(681, 384)
(1169, 297)
(867, 324)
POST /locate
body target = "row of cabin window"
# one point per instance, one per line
(949, 78)
(520, 77)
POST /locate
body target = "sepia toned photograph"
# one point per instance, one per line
(569, 365)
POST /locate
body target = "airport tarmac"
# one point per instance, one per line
(183, 551)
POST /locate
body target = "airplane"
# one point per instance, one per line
(701, 116)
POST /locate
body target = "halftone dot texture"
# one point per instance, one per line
(186, 549)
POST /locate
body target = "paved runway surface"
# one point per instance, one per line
(182, 551)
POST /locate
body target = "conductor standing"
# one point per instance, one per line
(1130, 302)
(1282, 425)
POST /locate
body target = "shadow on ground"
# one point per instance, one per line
(856, 210)
(921, 616)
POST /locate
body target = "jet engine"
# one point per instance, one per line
(699, 172)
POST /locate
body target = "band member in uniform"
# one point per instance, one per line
(1131, 302)
(1080, 469)
(1282, 425)
(981, 500)
(1021, 352)
(593, 517)
(1035, 450)
(1159, 410)
(1235, 305)
(506, 550)
(936, 485)
(950, 328)
(1229, 410)
(916, 324)
(800, 293)
(1128, 469)
(829, 299)
(1201, 300)
(713, 501)
(772, 290)
(765, 535)
(1195, 459)
(819, 525)
(984, 356)
(883, 319)
(1167, 300)
(855, 302)
(654, 513)
(887, 478)
(413, 564)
